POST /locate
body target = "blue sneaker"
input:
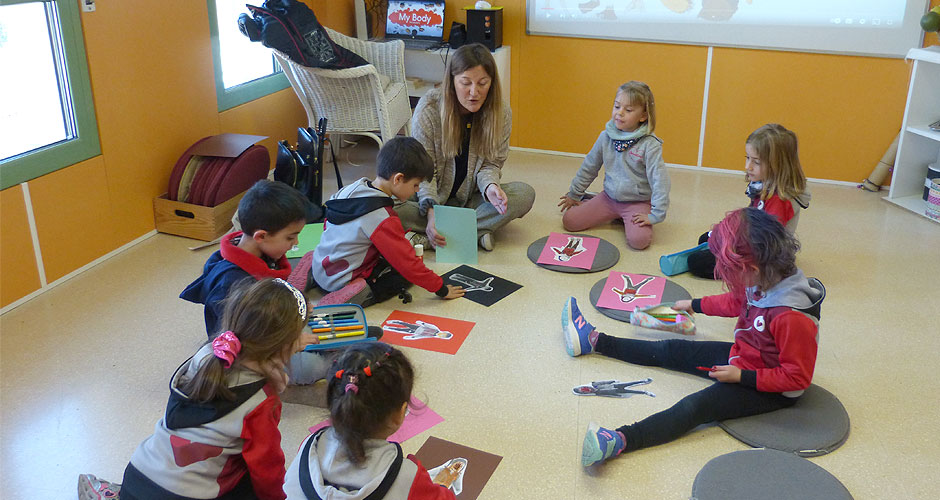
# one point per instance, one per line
(576, 329)
(600, 444)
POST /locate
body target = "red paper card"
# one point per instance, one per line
(416, 421)
(431, 333)
(569, 251)
(626, 292)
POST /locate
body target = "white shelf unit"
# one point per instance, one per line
(428, 66)
(919, 145)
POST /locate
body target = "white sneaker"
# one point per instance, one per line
(92, 488)
(486, 242)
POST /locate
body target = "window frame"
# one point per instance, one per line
(46, 159)
(245, 92)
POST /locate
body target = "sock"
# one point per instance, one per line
(592, 338)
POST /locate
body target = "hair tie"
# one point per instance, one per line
(301, 300)
(225, 347)
(367, 370)
(339, 374)
(352, 387)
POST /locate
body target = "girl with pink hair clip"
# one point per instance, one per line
(218, 437)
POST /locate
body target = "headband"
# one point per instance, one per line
(225, 347)
(301, 300)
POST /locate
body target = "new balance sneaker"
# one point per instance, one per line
(356, 291)
(600, 444)
(92, 488)
(576, 329)
(486, 242)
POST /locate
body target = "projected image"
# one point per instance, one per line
(883, 28)
(416, 19)
(860, 13)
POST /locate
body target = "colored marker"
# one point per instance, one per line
(334, 322)
(341, 335)
(705, 368)
(345, 315)
(338, 328)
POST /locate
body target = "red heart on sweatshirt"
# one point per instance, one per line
(331, 268)
(186, 452)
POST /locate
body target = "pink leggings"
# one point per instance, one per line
(601, 209)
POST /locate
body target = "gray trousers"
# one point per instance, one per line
(521, 196)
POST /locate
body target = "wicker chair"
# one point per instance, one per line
(361, 100)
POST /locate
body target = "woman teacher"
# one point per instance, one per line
(464, 125)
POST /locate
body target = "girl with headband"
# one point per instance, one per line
(219, 437)
(368, 394)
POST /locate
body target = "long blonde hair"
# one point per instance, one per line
(778, 151)
(487, 127)
(639, 94)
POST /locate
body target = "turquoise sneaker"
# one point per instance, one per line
(576, 329)
(600, 444)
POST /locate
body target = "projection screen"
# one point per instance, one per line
(882, 28)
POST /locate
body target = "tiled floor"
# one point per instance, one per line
(84, 367)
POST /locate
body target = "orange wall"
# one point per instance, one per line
(154, 96)
(154, 92)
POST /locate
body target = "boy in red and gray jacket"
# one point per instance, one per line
(363, 256)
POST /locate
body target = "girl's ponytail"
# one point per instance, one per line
(371, 381)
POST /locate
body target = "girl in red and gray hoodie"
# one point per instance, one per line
(766, 368)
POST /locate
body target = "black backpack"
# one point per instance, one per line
(292, 28)
(301, 167)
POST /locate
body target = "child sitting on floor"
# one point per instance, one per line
(272, 214)
(218, 437)
(776, 185)
(363, 256)
(767, 367)
(368, 396)
(636, 184)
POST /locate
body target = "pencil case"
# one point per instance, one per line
(678, 263)
(338, 325)
(663, 317)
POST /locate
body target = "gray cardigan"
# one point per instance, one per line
(637, 174)
(481, 172)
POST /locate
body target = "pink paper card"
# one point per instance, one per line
(427, 332)
(626, 292)
(569, 251)
(416, 421)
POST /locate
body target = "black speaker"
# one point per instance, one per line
(485, 26)
(458, 35)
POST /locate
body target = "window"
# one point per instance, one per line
(47, 116)
(244, 70)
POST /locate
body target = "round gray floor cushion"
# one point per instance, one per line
(671, 293)
(766, 475)
(817, 424)
(606, 257)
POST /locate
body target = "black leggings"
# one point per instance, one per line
(702, 262)
(719, 401)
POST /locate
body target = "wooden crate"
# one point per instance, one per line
(194, 221)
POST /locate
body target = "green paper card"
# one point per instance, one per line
(458, 226)
(307, 240)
